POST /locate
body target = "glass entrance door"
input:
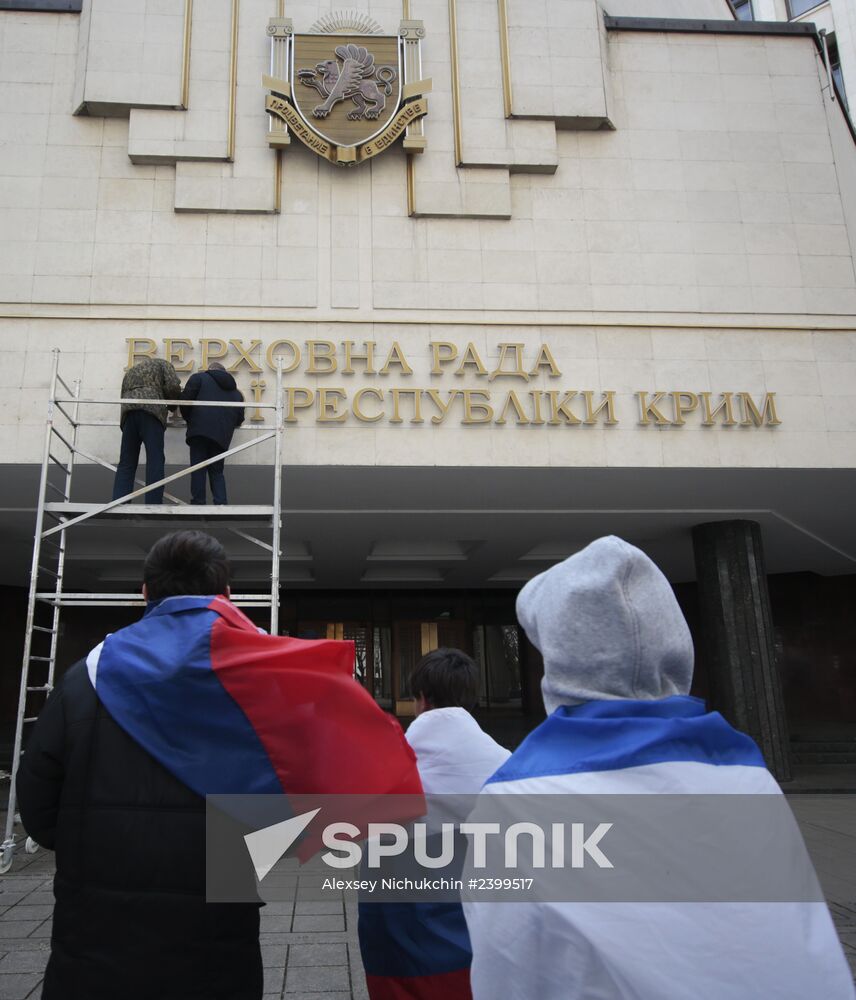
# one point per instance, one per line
(385, 655)
(360, 633)
(497, 651)
(410, 642)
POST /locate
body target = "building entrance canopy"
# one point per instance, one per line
(351, 527)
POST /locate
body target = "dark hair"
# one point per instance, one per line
(185, 562)
(446, 678)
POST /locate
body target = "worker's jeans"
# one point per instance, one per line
(140, 429)
(202, 448)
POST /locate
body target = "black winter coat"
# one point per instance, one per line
(130, 919)
(213, 422)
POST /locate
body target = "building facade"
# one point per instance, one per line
(836, 18)
(601, 280)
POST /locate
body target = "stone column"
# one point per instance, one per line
(281, 33)
(737, 633)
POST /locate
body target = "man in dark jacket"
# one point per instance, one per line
(130, 919)
(210, 428)
(143, 424)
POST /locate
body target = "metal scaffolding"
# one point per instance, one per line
(54, 519)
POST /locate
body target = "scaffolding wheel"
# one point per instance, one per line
(8, 853)
(31, 846)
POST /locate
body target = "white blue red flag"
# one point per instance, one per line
(648, 950)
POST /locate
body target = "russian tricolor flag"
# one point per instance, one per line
(231, 710)
(648, 950)
(415, 951)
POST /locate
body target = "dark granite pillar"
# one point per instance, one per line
(737, 631)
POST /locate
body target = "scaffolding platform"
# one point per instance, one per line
(220, 512)
(56, 518)
(133, 599)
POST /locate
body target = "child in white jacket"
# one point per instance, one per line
(453, 753)
(422, 950)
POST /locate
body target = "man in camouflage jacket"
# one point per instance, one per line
(143, 424)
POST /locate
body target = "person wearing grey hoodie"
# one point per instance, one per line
(618, 664)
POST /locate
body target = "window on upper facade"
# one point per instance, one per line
(799, 7)
(835, 67)
(743, 10)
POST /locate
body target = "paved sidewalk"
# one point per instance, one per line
(828, 824)
(310, 949)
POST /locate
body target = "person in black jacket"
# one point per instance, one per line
(130, 919)
(210, 428)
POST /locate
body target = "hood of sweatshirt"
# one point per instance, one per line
(608, 626)
(225, 380)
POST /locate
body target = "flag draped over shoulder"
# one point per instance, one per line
(230, 710)
(649, 950)
(421, 951)
(415, 951)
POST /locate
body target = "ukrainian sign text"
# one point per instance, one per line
(513, 387)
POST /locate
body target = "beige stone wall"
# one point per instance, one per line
(129, 54)
(714, 9)
(837, 16)
(699, 243)
(717, 190)
(811, 373)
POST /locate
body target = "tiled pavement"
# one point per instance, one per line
(310, 950)
(828, 824)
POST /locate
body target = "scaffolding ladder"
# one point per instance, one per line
(55, 518)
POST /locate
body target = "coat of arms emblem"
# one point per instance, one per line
(345, 89)
(355, 77)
